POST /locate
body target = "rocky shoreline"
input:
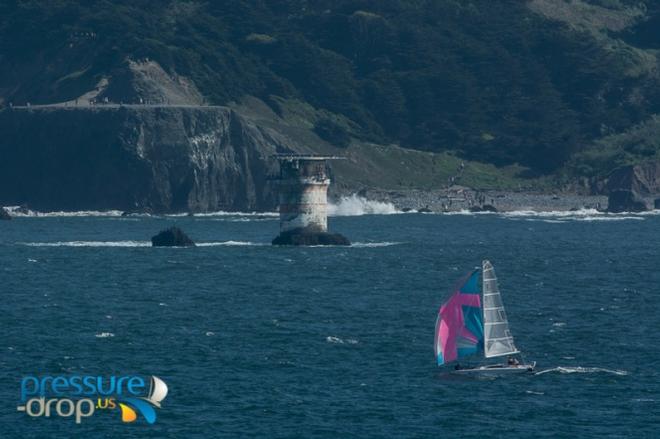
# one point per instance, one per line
(461, 199)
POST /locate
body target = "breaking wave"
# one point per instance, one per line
(88, 244)
(579, 369)
(559, 217)
(229, 243)
(355, 205)
(222, 213)
(132, 244)
(374, 244)
(17, 211)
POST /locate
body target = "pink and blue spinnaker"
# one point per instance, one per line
(459, 330)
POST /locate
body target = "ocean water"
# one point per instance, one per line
(257, 341)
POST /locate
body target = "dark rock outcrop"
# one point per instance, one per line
(424, 209)
(633, 188)
(623, 200)
(138, 212)
(306, 237)
(656, 204)
(172, 237)
(4, 215)
(134, 158)
(484, 208)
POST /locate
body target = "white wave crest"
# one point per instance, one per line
(579, 369)
(17, 211)
(104, 335)
(132, 244)
(564, 216)
(230, 244)
(88, 244)
(222, 213)
(355, 205)
(337, 340)
(374, 244)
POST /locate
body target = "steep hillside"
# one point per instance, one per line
(511, 82)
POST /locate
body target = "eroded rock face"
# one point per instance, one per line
(132, 158)
(625, 201)
(633, 188)
(172, 237)
(4, 215)
(307, 237)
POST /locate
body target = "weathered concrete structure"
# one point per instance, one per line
(303, 197)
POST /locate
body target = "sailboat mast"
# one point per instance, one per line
(483, 302)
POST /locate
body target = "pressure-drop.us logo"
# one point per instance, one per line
(81, 396)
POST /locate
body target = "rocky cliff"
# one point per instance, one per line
(634, 188)
(164, 159)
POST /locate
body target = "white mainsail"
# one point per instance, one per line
(158, 391)
(498, 340)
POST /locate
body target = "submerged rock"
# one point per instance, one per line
(305, 237)
(4, 215)
(172, 237)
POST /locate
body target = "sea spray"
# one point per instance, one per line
(355, 205)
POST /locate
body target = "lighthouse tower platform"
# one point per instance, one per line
(303, 201)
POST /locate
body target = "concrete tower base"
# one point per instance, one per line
(306, 236)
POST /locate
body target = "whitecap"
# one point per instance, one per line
(104, 335)
(88, 244)
(226, 213)
(580, 369)
(230, 243)
(374, 244)
(337, 340)
(467, 212)
(18, 212)
(561, 216)
(532, 392)
(610, 218)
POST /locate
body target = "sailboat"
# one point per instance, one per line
(474, 323)
(157, 391)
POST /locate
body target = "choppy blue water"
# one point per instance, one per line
(256, 341)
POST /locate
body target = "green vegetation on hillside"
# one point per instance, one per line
(492, 81)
